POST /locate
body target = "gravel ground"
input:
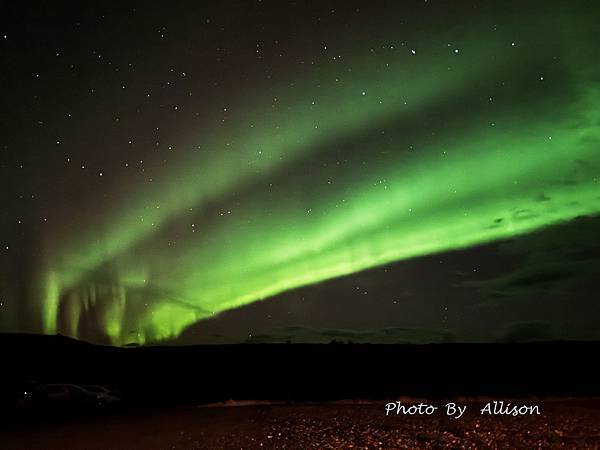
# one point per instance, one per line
(563, 424)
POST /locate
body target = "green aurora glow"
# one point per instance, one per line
(397, 160)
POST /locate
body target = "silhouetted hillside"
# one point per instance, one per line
(148, 375)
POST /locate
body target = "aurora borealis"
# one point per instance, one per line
(167, 165)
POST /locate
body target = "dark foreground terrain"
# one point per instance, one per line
(161, 397)
(194, 375)
(566, 423)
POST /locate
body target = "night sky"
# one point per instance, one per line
(257, 171)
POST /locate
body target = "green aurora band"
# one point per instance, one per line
(439, 169)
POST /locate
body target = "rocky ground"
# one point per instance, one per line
(563, 424)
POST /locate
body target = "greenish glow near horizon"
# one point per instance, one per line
(492, 176)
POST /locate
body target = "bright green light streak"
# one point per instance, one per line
(426, 207)
(271, 244)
